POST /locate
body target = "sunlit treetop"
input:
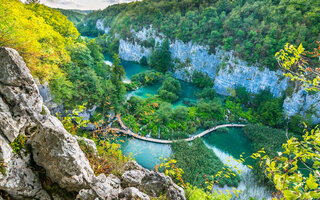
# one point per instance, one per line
(40, 34)
(301, 65)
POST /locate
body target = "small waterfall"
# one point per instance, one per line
(248, 184)
(127, 81)
(108, 62)
(130, 94)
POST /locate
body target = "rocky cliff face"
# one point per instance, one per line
(227, 71)
(51, 148)
(300, 103)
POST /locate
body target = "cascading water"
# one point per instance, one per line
(248, 184)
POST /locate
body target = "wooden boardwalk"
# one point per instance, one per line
(125, 130)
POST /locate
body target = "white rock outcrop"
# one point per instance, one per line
(226, 70)
(101, 27)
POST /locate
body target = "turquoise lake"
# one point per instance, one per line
(224, 145)
(148, 154)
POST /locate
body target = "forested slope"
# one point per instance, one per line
(54, 52)
(73, 15)
(255, 29)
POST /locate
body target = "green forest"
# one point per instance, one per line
(254, 29)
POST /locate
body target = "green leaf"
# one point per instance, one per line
(288, 194)
(311, 182)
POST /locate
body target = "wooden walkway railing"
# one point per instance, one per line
(126, 131)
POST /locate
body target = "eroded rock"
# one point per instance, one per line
(20, 101)
(58, 152)
(152, 183)
(89, 144)
(132, 193)
(17, 178)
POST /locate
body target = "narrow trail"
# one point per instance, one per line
(127, 131)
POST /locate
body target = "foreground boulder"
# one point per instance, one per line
(20, 102)
(53, 155)
(17, 178)
(133, 193)
(59, 153)
(152, 183)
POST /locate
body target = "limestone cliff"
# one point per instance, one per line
(224, 68)
(51, 149)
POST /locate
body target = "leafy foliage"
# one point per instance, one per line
(40, 39)
(160, 59)
(54, 53)
(170, 89)
(207, 93)
(295, 61)
(288, 169)
(201, 80)
(72, 121)
(109, 158)
(18, 144)
(74, 16)
(147, 78)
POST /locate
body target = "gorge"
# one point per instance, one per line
(160, 100)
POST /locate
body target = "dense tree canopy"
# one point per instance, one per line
(54, 53)
(170, 89)
(255, 29)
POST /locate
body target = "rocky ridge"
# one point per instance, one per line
(51, 148)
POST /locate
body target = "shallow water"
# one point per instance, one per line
(234, 142)
(147, 154)
(131, 68)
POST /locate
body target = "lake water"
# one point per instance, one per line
(225, 145)
(147, 153)
(132, 68)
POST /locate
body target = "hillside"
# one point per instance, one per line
(55, 54)
(233, 43)
(254, 29)
(75, 16)
(41, 160)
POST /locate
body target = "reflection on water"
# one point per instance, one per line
(235, 142)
